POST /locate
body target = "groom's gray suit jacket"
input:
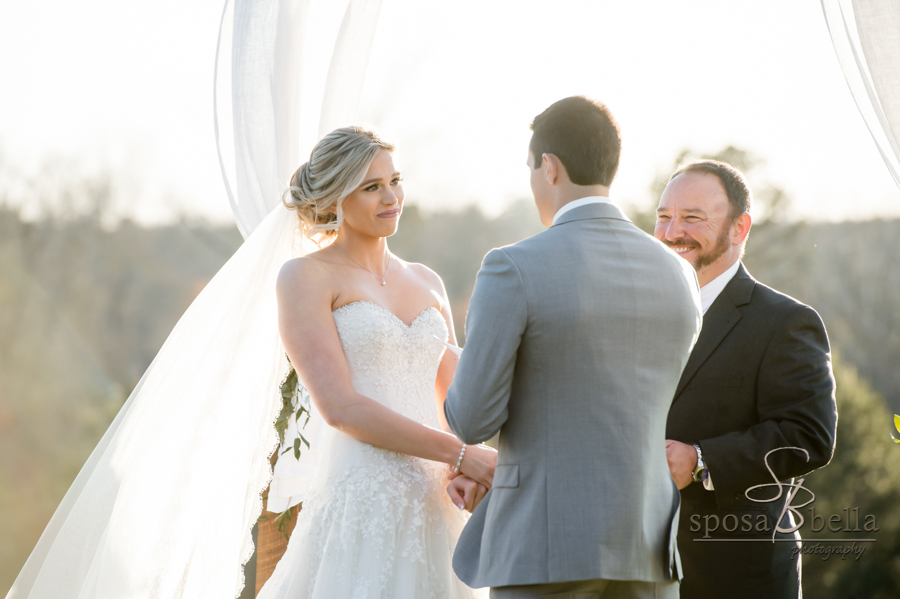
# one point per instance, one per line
(576, 339)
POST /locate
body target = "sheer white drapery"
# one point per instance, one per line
(165, 504)
(866, 37)
(287, 73)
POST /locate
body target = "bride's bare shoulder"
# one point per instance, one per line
(424, 274)
(306, 272)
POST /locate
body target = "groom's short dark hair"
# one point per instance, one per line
(585, 137)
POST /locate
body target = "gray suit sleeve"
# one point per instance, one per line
(476, 405)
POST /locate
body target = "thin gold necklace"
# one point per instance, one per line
(374, 274)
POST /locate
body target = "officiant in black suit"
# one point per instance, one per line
(758, 379)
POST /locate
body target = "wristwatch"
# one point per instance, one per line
(701, 471)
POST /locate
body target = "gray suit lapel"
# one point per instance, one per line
(718, 322)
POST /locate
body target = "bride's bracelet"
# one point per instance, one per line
(459, 461)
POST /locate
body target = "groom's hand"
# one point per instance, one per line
(479, 464)
(682, 460)
(465, 493)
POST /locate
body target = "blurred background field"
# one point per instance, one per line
(87, 298)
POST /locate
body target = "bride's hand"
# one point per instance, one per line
(479, 464)
(465, 493)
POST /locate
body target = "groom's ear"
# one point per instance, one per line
(552, 168)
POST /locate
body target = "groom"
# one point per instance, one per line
(576, 339)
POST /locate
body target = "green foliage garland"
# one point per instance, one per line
(291, 388)
(294, 403)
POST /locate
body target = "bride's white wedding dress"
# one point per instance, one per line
(377, 524)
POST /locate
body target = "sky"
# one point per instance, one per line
(128, 86)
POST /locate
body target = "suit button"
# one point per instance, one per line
(737, 495)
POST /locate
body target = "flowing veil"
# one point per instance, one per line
(165, 504)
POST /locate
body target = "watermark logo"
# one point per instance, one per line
(848, 522)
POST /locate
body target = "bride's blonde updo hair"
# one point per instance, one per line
(337, 166)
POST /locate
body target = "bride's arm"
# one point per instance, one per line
(447, 369)
(311, 340)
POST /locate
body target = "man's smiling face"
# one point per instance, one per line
(694, 219)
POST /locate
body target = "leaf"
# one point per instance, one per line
(288, 387)
(282, 520)
(262, 519)
(297, 448)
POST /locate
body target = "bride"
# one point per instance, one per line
(360, 326)
(165, 504)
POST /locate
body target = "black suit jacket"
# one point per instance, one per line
(759, 378)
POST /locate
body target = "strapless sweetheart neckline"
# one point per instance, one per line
(383, 309)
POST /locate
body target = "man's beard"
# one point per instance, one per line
(716, 252)
(704, 259)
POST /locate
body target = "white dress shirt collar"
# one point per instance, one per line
(579, 203)
(710, 291)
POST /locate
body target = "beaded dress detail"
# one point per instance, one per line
(378, 524)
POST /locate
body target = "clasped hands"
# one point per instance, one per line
(476, 475)
(469, 486)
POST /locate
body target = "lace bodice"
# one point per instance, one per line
(390, 361)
